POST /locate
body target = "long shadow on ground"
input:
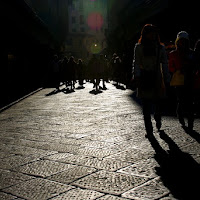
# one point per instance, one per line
(179, 172)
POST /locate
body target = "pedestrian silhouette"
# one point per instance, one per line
(182, 67)
(71, 72)
(95, 71)
(80, 72)
(112, 65)
(103, 70)
(150, 68)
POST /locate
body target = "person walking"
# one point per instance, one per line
(64, 71)
(95, 72)
(80, 72)
(182, 67)
(103, 70)
(150, 68)
(72, 67)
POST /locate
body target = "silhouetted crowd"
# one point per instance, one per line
(98, 69)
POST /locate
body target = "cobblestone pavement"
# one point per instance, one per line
(83, 145)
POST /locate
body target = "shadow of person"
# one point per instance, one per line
(194, 134)
(179, 172)
(95, 92)
(56, 91)
(67, 90)
(80, 87)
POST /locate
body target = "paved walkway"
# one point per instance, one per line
(83, 145)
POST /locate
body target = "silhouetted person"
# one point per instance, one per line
(107, 74)
(117, 70)
(64, 71)
(112, 65)
(95, 72)
(182, 66)
(150, 68)
(60, 66)
(126, 69)
(80, 72)
(71, 72)
(103, 70)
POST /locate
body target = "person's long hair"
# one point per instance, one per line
(147, 29)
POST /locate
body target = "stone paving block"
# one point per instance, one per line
(5, 140)
(98, 144)
(130, 155)
(8, 178)
(145, 168)
(111, 197)
(109, 182)
(101, 135)
(179, 136)
(38, 189)
(79, 194)
(95, 152)
(69, 158)
(5, 155)
(14, 161)
(43, 168)
(193, 149)
(32, 144)
(72, 174)
(4, 196)
(26, 151)
(57, 156)
(107, 164)
(71, 141)
(63, 147)
(153, 189)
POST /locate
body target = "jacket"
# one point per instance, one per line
(158, 64)
(183, 62)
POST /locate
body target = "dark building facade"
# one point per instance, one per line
(26, 46)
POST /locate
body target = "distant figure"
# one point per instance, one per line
(112, 65)
(150, 67)
(117, 70)
(80, 72)
(103, 70)
(95, 71)
(64, 70)
(71, 72)
(182, 66)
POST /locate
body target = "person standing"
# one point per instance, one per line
(103, 70)
(72, 67)
(95, 72)
(182, 67)
(150, 68)
(80, 72)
